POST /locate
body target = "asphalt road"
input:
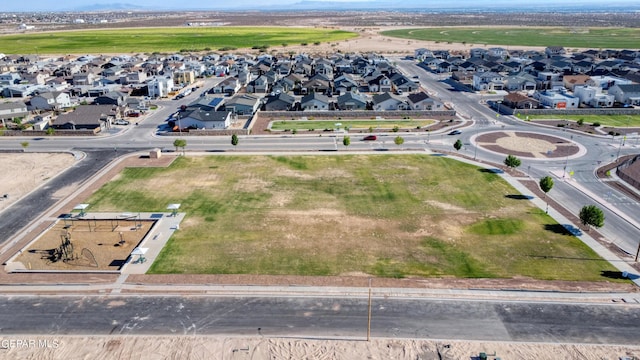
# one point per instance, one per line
(321, 317)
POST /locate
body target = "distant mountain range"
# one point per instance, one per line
(424, 5)
(111, 7)
(468, 5)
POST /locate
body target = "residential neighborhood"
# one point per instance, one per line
(550, 79)
(62, 92)
(59, 88)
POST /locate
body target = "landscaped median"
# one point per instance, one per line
(382, 215)
(350, 124)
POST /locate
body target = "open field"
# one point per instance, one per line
(569, 37)
(384, 215)
(165, 39)
(604, 120)
(352, 124)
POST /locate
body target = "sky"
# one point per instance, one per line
(70, 5)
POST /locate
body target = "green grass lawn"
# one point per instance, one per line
(383, 215)
(352, 124)
(164, 39)
(608, 38)
(604, 120)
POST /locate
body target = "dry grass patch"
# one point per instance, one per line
(383, 215)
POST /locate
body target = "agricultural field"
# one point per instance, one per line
(382, 215)
(604, 120)
(351, 124)
(569, 37)
(165, 39)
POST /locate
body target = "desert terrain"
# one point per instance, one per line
(188, 347)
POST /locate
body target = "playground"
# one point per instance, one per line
(82, 244)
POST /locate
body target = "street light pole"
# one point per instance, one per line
(566, 163)
(179, 127)
(369, 314)
(619, 148)
(475, 147)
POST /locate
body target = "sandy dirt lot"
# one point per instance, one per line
(23, 172)
(218, 347)
(370, 40)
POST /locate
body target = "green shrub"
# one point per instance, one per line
(580, 122)
(596, 124)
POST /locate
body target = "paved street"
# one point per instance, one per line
(321, 317)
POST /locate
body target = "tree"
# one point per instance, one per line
(546, 184)
(234, 140)
(512, 161)
(346, 141)
(180, 143)
(25, 145)
(50, 131)
(399, 140)
(591, 215)
(457, 145)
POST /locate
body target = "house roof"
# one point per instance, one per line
(349, 96)
(206, 102)
(86, 115)
(244, 99)
(204, 115)
(516, 97)
(630, 88)
(315, 96)
(114, 95)
(12, 105)
(417, 97)
(384, 97)
(282, 97)
(576, 79)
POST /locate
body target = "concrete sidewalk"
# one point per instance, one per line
(155, 240)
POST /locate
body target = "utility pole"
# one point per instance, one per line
(566, 163)
(369, 313)
(475, 146)
(619, 148)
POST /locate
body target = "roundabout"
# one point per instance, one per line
(529, 145)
